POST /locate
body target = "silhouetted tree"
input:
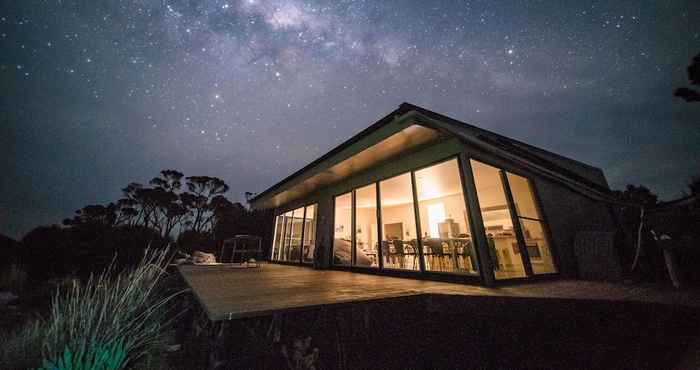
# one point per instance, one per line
(640, 195)
(9, 248)
(688, 94)
(46, 253)
(204, 196)
(95, 214)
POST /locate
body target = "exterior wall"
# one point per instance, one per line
(565, 211)
(568, 213)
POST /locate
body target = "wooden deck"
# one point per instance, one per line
(231, 293)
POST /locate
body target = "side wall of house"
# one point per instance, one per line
(583, 231)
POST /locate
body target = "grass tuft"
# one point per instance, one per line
(122, 314)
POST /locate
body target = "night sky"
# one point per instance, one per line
(97, 94)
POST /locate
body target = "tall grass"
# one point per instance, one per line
(126, 310)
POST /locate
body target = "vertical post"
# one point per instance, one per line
(477, 222)
(353, 239)
(380, 254)
(544, 223)
(524, 256)
(301, 241)
(419, 241)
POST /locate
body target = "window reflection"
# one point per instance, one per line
(531, 224)
(502, 244)
(294, 251)
(366, 240)
(444, 222)
(342, 234)
(279, 231)
(399, 245)
(309, 244)
(284, 248)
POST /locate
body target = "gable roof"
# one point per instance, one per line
(579, 176)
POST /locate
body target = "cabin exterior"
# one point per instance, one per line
(422, 195)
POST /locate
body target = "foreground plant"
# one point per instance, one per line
(109, 322)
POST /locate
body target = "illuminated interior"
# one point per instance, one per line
(367, 240)
(504, 250)
(429, 230)
(444, 221)
(399, 244)
(342, 230)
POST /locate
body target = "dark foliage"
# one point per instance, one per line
(193, 207)
(54, 252)
(688, 94)
(651, 264)
(8, 251)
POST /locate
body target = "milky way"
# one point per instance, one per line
(96, 94)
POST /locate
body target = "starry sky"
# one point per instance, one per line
(96, 94)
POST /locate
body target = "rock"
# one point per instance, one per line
(200, 257)
(7, 297)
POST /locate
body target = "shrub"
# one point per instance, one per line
(95, 322)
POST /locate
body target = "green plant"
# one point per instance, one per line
(92, 357)
(125, 311)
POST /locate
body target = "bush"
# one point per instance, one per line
(93, 323)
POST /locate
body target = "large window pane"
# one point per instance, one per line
(447, 238)
(279, 231)
(531, 224)
(342, 235)
(295, 245)
(309, 243)
(284, 250)
(537, 247)
(366, 240)
(502, 243)
(399, 246)
(522, 196)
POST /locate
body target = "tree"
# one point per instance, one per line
(640, 195)
(688, 94)
(204, 197)
(95, 214)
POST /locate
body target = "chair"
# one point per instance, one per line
(399, 252)
(246, 247)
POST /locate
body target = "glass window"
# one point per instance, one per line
(502, 243)
(295, 245)
(444, 222)
(342, 235)
(399, 245)
(284, 249)
(309, 244)
(531, 224)
(366, 240)
(279, 231)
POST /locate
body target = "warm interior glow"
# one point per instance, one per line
(436, 214)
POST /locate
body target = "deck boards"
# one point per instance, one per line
(232, 293)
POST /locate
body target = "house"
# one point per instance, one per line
(420, 194)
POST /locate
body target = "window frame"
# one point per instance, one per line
(503, 169)
(281, 213)
(422, 271)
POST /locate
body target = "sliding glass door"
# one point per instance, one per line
(399, 236)
(517, 243)
(531, 225)
(444, 221)
(419, 221)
